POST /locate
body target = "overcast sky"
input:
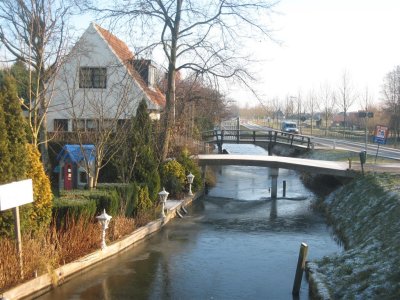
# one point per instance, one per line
(321, 39)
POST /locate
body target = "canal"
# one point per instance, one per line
(234, 243)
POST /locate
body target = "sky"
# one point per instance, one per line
(320, 39)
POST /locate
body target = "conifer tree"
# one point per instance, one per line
(145, 170)
(40, 213)
(5, 165)
(137, 160)
(16, 134)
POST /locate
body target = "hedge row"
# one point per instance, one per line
(116, 199)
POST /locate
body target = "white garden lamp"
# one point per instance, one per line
(104, 220)
(190, 178)
(163, 195)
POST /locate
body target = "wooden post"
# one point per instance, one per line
(284, 189)
(17, 232)
(300, 268)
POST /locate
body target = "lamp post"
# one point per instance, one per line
(104, 220)
(190, 178)
(163, 195)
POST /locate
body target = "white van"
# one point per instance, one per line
(290, 127)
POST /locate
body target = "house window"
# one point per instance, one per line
(79, 125)
(60, 124)
(91, 125)
(82, 177)
(95, 78)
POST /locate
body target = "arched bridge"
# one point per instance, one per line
(264, 138)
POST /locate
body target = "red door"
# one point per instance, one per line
(68, 176)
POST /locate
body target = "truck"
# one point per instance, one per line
(290, 127)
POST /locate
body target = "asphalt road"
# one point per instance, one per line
(327, 143)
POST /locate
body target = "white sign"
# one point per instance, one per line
(16, 194)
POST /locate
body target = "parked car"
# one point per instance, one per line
(290, 127)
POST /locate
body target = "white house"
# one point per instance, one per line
(101, 81)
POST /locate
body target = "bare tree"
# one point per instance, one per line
(203, 36)
(289, 106)
(311, 106)
(326, 104)
(391, 98)
(346, 97)
(34, 32)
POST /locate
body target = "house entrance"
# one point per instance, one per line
(68, 176)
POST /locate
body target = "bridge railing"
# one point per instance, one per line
(255, 136)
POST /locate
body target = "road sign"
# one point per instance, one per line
(16, 194)
(381, 134)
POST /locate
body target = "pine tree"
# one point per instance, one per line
(15, 129)
(5, 165)
(145, 170)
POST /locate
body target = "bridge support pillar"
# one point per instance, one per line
(219, 145)
(203, 179)
(274, 172)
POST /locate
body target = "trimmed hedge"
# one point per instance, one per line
(116, 199)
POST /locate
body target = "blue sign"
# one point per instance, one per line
(381, 133)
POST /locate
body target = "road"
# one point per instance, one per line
(326, 143)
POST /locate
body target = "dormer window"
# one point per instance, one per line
(146, 71)
(151, 78)
(94, 78)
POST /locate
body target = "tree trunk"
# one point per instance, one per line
(169, 118)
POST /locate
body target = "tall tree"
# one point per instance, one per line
(326, 104)
(311, 106)
(203, 36)
(34, 33)
(346, 96)
(15, 125)
(391, 98)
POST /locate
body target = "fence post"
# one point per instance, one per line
(300, 268)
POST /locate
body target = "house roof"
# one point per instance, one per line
(126, 56)
(74, 153)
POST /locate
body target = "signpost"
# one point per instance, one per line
(13, 195)
(380, 136)
(366, 115)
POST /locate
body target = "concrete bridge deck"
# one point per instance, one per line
(334, 168)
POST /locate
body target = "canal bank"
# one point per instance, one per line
(365, 214)
(42, 284)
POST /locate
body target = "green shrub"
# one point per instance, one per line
(79, 209)
(190, 166)
(173, 178)
(127, 196)
(144, 203)
(110, 201)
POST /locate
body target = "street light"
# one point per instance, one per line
(104, 220)
(190, 178)
(163, 195)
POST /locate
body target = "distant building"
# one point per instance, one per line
(101, 80)
(351, 119)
